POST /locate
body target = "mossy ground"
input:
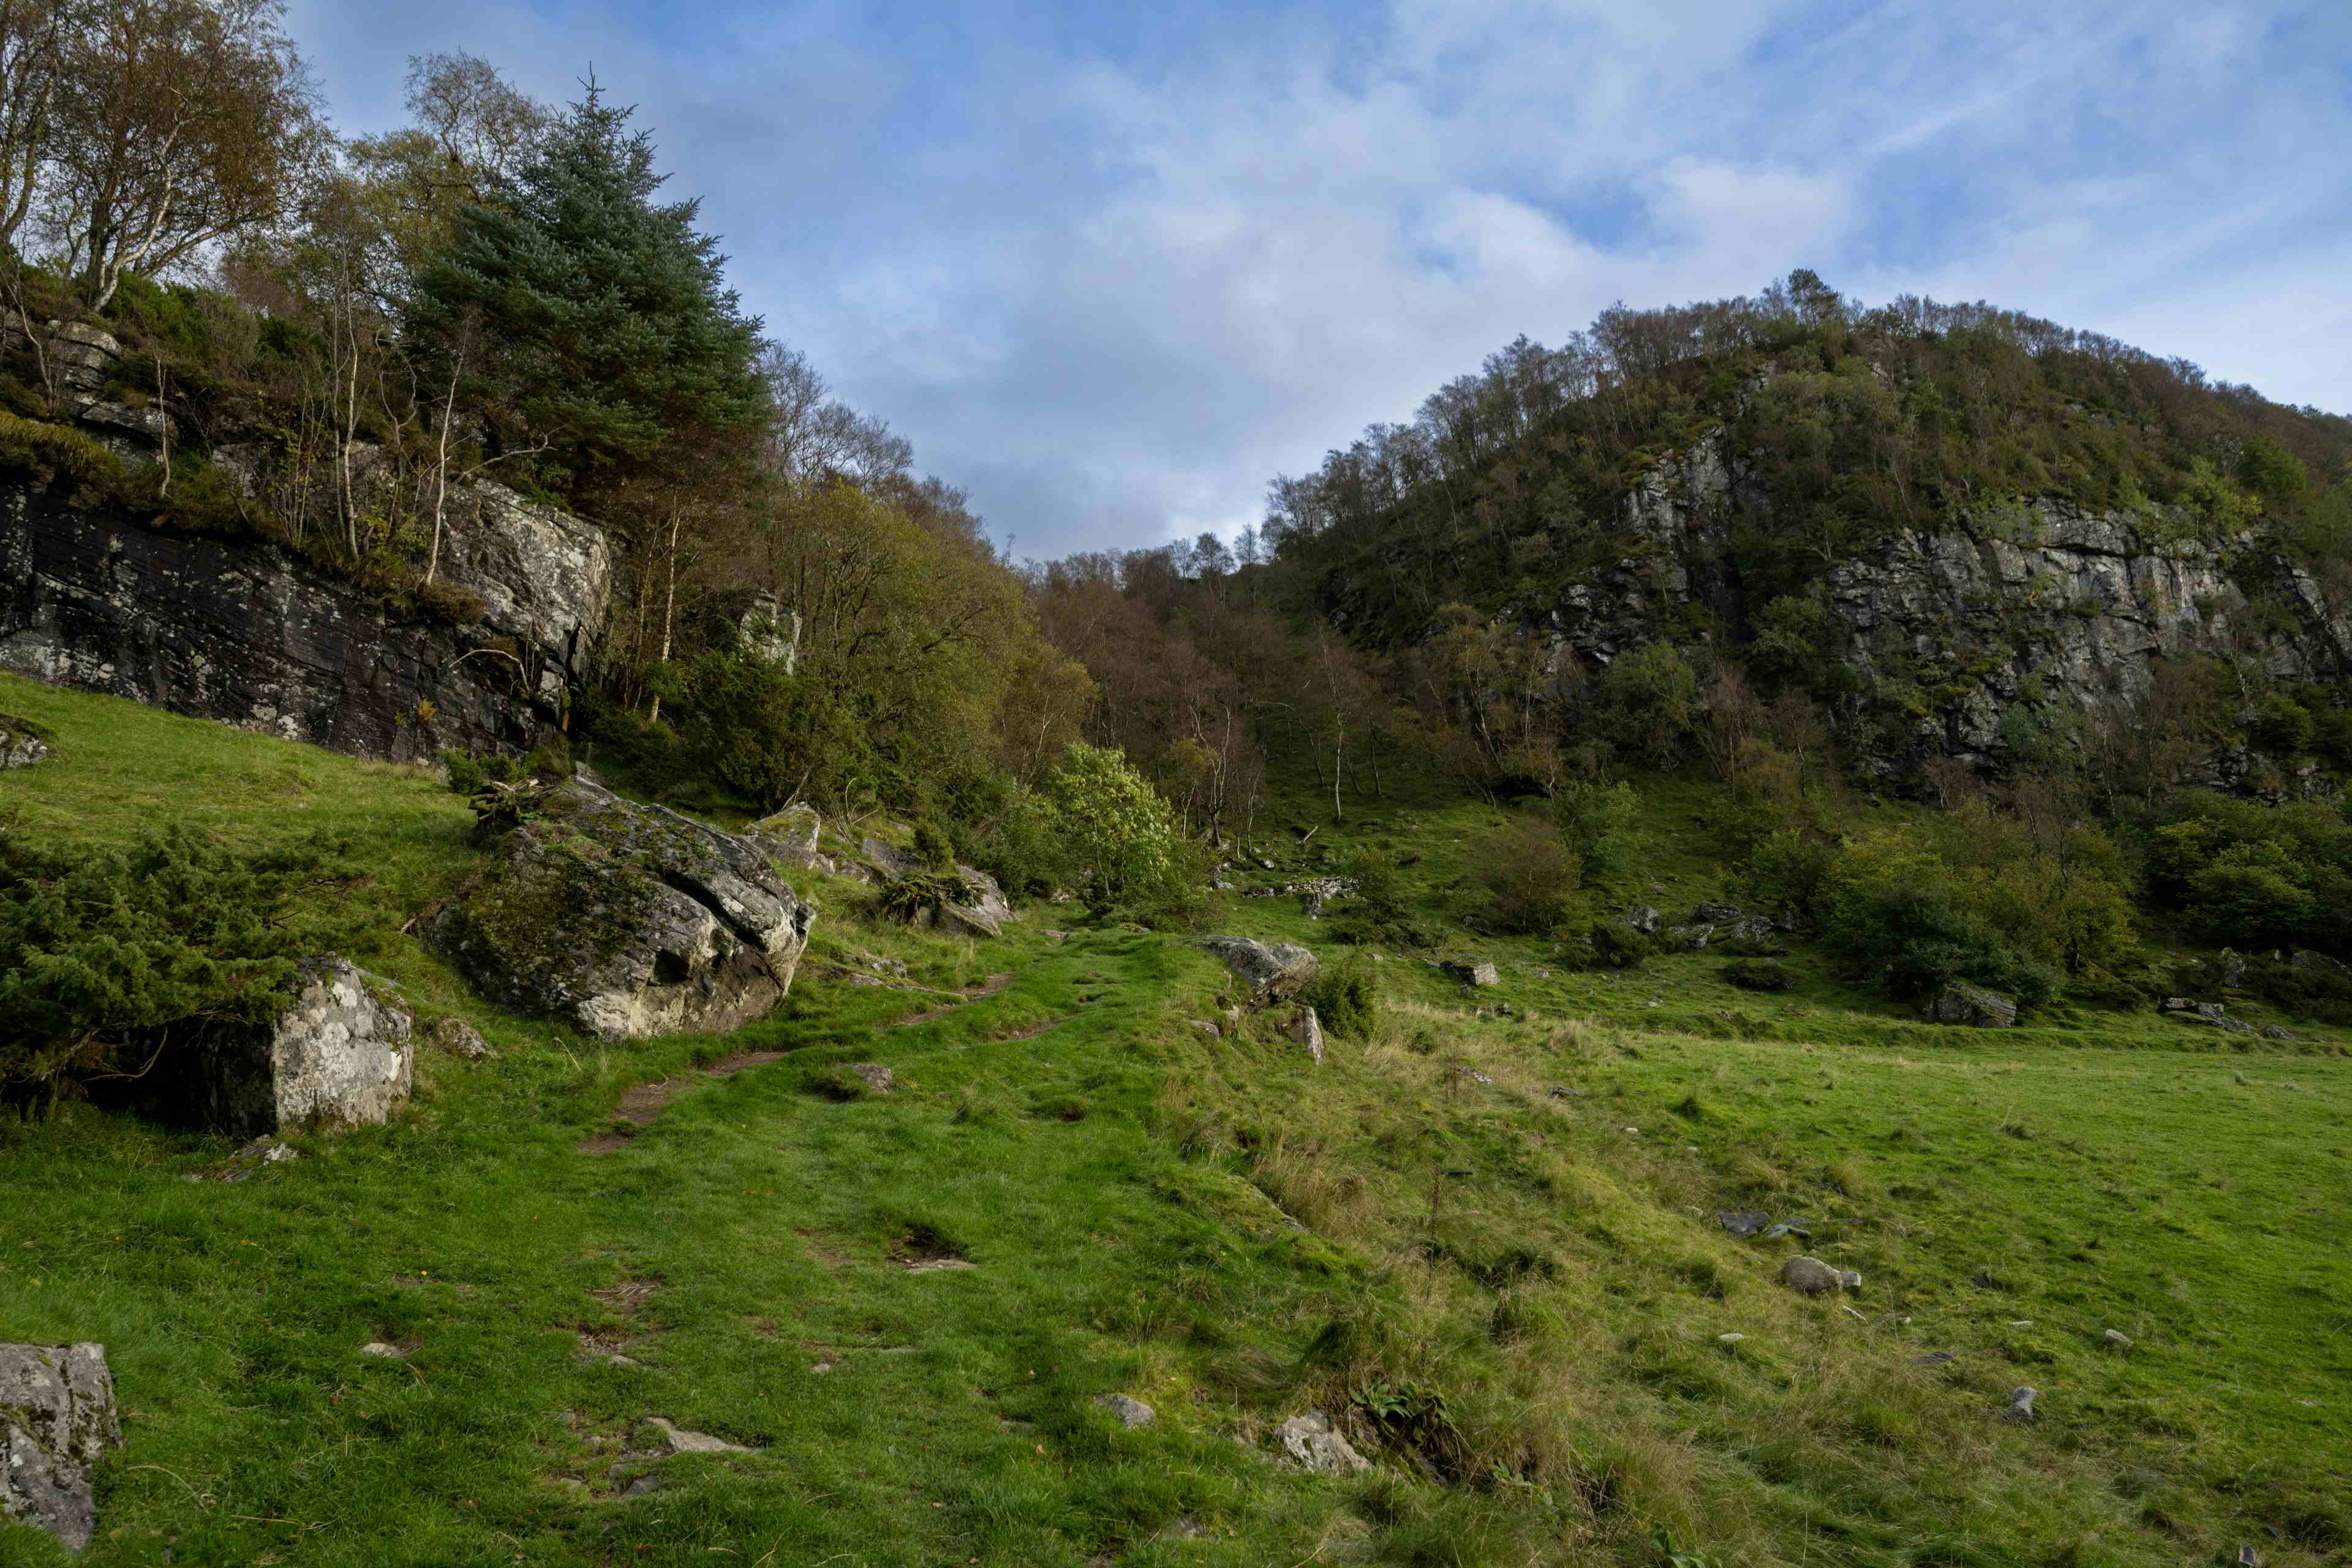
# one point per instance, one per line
(1209, 1224)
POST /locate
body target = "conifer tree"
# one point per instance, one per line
(618, 344)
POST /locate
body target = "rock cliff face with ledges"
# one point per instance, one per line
(1972, 630)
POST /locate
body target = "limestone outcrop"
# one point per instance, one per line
(57, 1420)
(1271, 972)
(626, 921)
(339, 1056)
(1981, 628)
(982, 912)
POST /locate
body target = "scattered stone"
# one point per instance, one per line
(1132, 1413)
(1310, 904)
(1470, 971)
(1207, 1028)
(1789, 1228)
(386, 1352)
(1058, 936)
(2318, 962)
(2118, 1339)
(2020, 1404)
(1692, 937)
(2233, 969)
(641, 1486)
(1743, 1223)
(1729, 1339)
(1316, 1446)
(1271, 972)
(460, 1038)
(982, 912)
(1715, 913)
(22, 742)
(1308, 1030)
(1812, 1276)
(1643, 919)
(56, 1423)
(878, 1079)
(1958, 1002)
(2276, 1032)
(676, 1440)
(2022, 1323)
(1933, 1358)
(2248, 1557)
(247, 1161)
(1561, 1092)
(940, 1264)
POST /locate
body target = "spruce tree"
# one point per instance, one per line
(611, 335)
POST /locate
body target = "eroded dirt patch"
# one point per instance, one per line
(981, 992)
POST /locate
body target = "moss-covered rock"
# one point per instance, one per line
(627, 921)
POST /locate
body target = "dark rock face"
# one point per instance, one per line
(627, 921)
(57, 1422)
(244, 632)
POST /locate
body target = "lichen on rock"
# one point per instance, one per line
(627, 921)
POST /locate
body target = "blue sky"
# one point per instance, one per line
(1113, 268)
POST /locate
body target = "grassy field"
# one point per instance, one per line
(1486, 1241)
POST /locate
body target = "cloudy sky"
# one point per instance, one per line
(1111, 268)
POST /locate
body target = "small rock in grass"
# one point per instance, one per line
(2118, 1339)
(57, 1423)
(1933, 1358)
(2249, 1558)
(1316, 1446)
(676, 1440)
(1729, 1339)
(1308, 1030)
(1132, 1413)
(641, 1486)
(378, 1348)
(1814, 1278)
(2020, 1404)
(460, 1039)
(878, 1079)
(1742, 1223)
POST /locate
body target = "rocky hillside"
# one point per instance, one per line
(1963, 531)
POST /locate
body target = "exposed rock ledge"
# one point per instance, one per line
(627, 921)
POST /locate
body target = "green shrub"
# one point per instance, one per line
(1758, 974)
(1533, 878)
(1022, 848)
(1909, 941)
(1117, 826)
(470, 771)
(1790, 871)
(1380, 891)
(1616, 945)
(1347, 995)
(1649, 702)
(1596, 823)
(107, 955)
(933, 848)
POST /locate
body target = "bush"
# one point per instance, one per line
(1616, 945)
(1909, 941)
(105, 953)
(1380, 892)
(470, 772)
(1596, 822)
(1758, 974)
(1790, 871)
(932, 848)
(1649, 702)
(1022, 848)
(1345, 996)
(1116, 826)
(1533, 876)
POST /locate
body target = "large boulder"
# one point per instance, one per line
(627, 921)
(1271, 972)
(1471, 971)
(544, 576)
(57, 1422)
(1958, 1002)
(1314, 1444)
(790, 836)
(338, 1055)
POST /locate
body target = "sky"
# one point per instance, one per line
(1111, 269)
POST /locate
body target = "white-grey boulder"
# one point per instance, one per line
(339, 1056)
(57, 1421)
(1308, 1030)
(1812, 1276)
(1271, 972)
(1316, 1446)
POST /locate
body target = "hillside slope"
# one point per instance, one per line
(1482, 1239)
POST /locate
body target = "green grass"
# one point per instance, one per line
(1211, 1225)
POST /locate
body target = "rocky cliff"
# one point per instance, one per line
(245, 632)
(1968, 632)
